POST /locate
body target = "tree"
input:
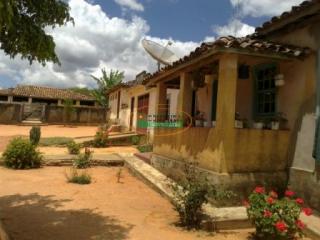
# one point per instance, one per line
(105, 83)
(23, 24)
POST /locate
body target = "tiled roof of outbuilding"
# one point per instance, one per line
(247, 44)
(45, 92)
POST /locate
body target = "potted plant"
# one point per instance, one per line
(258, 124)
(278, 121)
(199, 119)
(274, 217)
(238, 122)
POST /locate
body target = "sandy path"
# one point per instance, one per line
(49, 131)
(40, 205)
(63, 150)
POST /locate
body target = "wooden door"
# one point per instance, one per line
(142, 113)
(131, 113)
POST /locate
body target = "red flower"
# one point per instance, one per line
(270, 200)
(300, 224)
(289, 193)
(273, 194)
(299, 201)
(267, 214)
(281, 226)
(307, 211)
(260, 190)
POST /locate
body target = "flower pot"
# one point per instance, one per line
(258, 125)
(238, 124)
(206, 124)
(275, 125)
(199, 123)
(279, 82)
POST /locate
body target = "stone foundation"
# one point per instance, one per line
(307, 185)
(240, 183)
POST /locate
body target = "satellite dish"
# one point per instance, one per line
(160, 53)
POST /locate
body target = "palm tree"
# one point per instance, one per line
(105, 83)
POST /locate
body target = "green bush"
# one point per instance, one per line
(34, 135)
(145, 148)
(73, 147)
(190, 193)
(78, 177)
(83, 160)
(101, 138)
(21, 154)
(135, 140)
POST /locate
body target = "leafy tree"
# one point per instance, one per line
(105, 83)
(23, 24)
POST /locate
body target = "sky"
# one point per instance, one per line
(108, 33)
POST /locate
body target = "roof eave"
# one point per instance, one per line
(215, 51)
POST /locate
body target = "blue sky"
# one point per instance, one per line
(108, 33)
(185, 20)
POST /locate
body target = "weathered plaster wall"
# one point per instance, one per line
(10, 113)
(81, 115)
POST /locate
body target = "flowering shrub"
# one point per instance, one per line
(276, 218)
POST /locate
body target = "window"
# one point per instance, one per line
(265, 90)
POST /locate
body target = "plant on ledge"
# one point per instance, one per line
(275, 218)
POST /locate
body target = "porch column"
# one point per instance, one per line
(185, 94)
(30, 100)
(227, 90)
(161, 100)
(209, 81)
(226, 108)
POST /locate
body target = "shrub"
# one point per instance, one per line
(21, 154)
(276, 218)
(77, 177)
(83, 160)
(34, 135)
(145, 148)
(135, 140)
(101, 138)
(73, 147)
(190, 193)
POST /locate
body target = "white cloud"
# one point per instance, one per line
(131, 4)
(234, 28)
(259, 8)
(209, 39)
(96, 41)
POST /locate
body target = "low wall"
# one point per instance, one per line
(240, 183)
(80, 115)
(10, 113)
(241, 151)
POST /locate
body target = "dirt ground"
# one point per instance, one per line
(40, 205)
(49, 131)
(63, 150)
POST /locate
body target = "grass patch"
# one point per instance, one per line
(55, 141)
(78, 177)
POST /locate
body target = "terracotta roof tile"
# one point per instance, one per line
(45, 92)
(306, 5)
(249, 43)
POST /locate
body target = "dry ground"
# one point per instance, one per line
(49, 131)
(40, 205)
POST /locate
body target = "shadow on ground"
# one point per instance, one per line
(41, 218)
